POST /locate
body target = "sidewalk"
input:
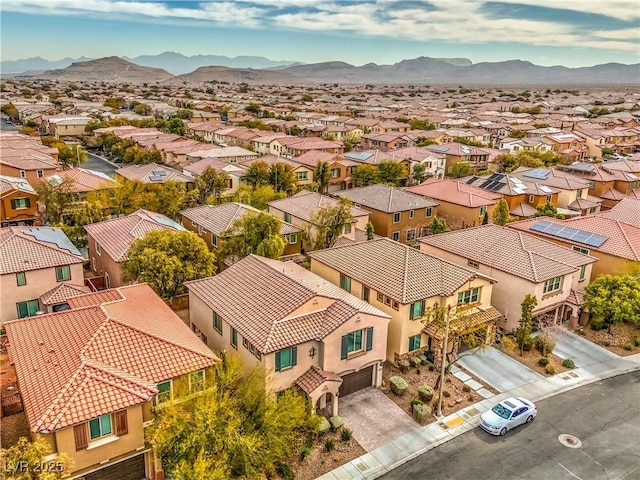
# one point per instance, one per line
(418, 441)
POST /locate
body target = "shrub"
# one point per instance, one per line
(426, 393)
(423, 359)
(527, 344)
(446, 394)
(415, 361)
(636, 341)
(568, 363)
(596, 324)
(328, 445)
(336, 422)
(550, 370)
(285, 471)
(398, 385)
(606, 343)
(543, 362)
(628, 346)
(417, 371)
(421, 411)
(345, 434)
(324, 426)
(544, 344)
(432, 367)
(466, 388)
(404, 365)
(416, 401)
(304, 452)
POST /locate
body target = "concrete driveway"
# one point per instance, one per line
(373, 418)
(584, 353)
(497, 369)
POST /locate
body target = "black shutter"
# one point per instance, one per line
(277, 361)
(369, 338)
(294, 356)
(343, 351)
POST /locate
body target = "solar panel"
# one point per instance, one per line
(486, 183)
(53, 235)
(545, 189)
(471, 180)
(539, 173)
(569, 233)
(156, 178)
(161, 219)
(496, 176)
(581, 167)
(495, 186)
(159, 173)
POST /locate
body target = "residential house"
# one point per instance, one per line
(406, 284)
(35, 261)
(90, 377)
(204, 131)
(302, 329)
(570, 146)
(303, 173)
(67, 126)
(341, 172)
(18, 202)
(522, 264)
(433, 162)
(477, 158)
(153, 173)
(385, 142)
(525, 145)
(294, 146)
(262, 144)
(226, 154)
(214, 222)
(200, 116)
(234, 171)
(33, 165)
(109, 241)
(394, 213)
(300, 210)
(459, 204)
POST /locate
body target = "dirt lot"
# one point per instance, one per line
(321, 461)
(621, 334)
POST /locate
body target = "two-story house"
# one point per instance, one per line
(394, 213)
(18, 202)
(306, 331)
(406, 283)
(109, 241)
(570, 146)
(35, 262)
(90, 376)
(522, 264)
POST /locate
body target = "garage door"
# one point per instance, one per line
(132, 469)
(356, 381)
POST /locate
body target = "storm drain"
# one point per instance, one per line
(569, 441)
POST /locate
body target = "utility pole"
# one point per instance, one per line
(443, 361)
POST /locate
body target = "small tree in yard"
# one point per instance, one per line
(548, 210)
(485, 218)
(501, 214)
(369, 230)
(366, 175)
(614, 299)
(322, 176)
(33, 454)
(254, 233)
(524, 330)
(211, 184)
(391, 172)
(327, 224)
(438, 225)
(419, 173)
(166, 259)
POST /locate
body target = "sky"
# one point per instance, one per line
(544, 32)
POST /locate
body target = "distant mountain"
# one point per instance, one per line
(177, 63)
(37, 64)
(236, 75)
(108, 69)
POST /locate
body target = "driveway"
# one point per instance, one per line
(497, 369)
(583, 352)
(373, 418)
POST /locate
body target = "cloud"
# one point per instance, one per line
(558, 23)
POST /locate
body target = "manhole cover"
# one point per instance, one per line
(569, 441)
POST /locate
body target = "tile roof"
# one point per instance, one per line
(218, 218)
(517, 253)
(23, 249)
(385, 198)
(145, 172)
(116, 235)
(257, 297)
(456, 192)
(623, 239)
(464, 323)
(84, 180)
(554, 178)
(396, 270)
(12, 184)
(62, 292)
(81, 363)
(626, 211)
(305, 202)
(314, 377)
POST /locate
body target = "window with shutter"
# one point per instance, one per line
(122, 427)
(80, 436)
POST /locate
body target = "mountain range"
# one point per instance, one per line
(422, 70)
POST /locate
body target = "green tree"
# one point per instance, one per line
(211, 184)
(282, 177)
(438, 225)
(176, 126)
(391, 173)
(167, 198)
(184, 114)
(257, 174)
(322, 176)
(369, 230)
(518, 134)
(525, 328)
(10, 110)
(114, 103)
(423, 142)
(56, 196)
(84, 214)
(166, 259)
(235, 429)
(501, 214)
(485, 218)
(459, 170)
(258, 197)
(33, 454)
(70, 155)
(257, 233)
(614, 299)
(328, 223)
(417, 124)
(419, 173)
(548, 210)
(366, 175)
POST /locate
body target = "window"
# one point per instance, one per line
(164, 391)
(411, 213)
(287, 217)
(286, 358)
(353, 343)
(347, 228)
(335, 172)
(214, 240)
(580, 249)
(365, 294)
(100, 427)
(23, 174)
(424, 231)
(548, 198)
(592, 185)
(396, 305)
(40, 174)
(483, 211)
(417, 309)
(63, 273)
(380, 297)
(469, 296)
(414, 342)
(217, 323)
(28, 308)
(234, 338)
(583, 271)
(345, 282)
(19, 203)
(579, 193)
(199, 229)
(473, 264)
(552, 284)
(249, 346)
(98, 249)
(411, 234)
(531, 198)
(196, 381)
(293, 238)
(428, 212)
(387, 301)
(396, 217)
(301, 175)
(21, 279)
(395, 236)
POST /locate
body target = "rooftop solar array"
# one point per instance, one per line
(162, 220)
(539, 173)
(580, 167)
(471, 180)
(158, 173)
(156, 178)
(569, 233)
(53, 235)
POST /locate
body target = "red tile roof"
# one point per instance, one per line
(456, 192)
(81, 363)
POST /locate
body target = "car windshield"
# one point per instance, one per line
(501, 411)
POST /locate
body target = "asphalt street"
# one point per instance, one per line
(99, 165)
(604, 416)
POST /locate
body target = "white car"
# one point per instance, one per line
(508, 414)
